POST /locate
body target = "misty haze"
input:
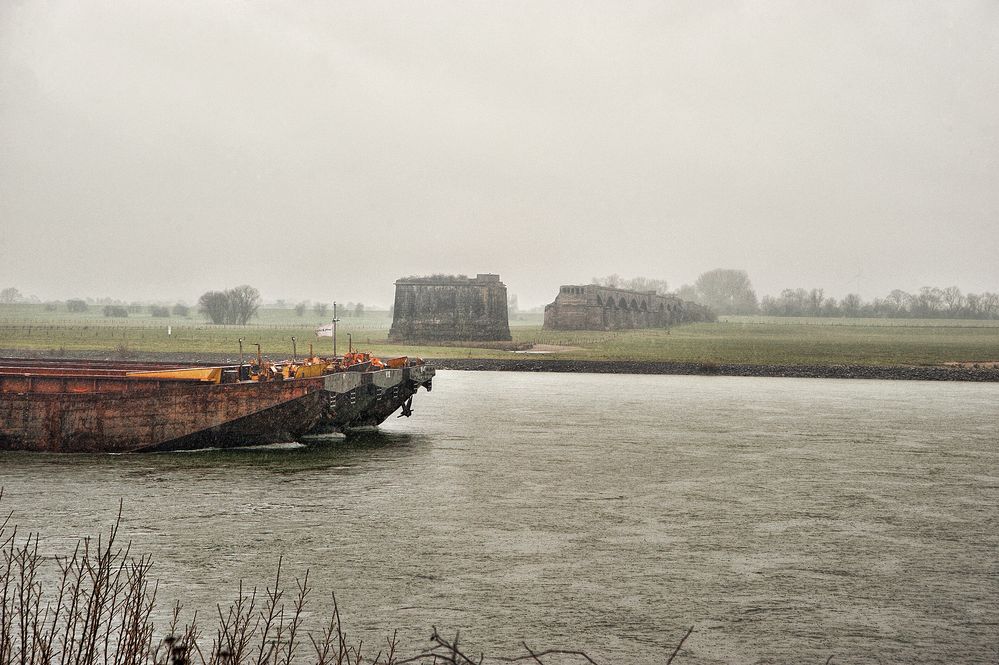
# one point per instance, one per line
(554, 332)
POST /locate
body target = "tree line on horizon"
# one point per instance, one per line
(235, 306)
(729, 291)
(930, 302)
(726, 291)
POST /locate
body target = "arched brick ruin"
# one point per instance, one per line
(593, 307)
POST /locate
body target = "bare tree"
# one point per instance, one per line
(612, 281)
(727, 291)
(687, 292)
(10, 295)
(989, 304)
(214, 305)
(244, 301)
(953, 299)
(232, 306)
(320, 308)
(815, 298)
(897, 302)
(851, 305)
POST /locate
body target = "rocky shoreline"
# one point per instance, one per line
(895, 372)
(884, 372)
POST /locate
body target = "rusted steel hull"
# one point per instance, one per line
(77, 406)
(286, 421)
(141, 415)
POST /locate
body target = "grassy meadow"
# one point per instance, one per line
(749, 340)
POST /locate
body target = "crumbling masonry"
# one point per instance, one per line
(443, 308)
(592, 307)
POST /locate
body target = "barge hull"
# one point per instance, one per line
(67, 406)
(367, 399)
(42, 413)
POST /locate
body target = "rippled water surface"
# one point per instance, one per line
(787, 519)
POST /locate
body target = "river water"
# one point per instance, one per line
(786, 519)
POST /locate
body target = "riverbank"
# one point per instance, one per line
(902, 373)
(865, 343)
(884, 372)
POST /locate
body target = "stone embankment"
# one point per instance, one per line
(897, 372)
(963, 372)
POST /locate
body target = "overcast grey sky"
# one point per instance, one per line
(322, 150)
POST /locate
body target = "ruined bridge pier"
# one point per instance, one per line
(593, 307)
(450, 308)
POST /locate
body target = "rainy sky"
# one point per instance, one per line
(156, 150)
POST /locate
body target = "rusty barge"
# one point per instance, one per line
(117, 407)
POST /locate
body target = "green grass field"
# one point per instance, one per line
(751, 340)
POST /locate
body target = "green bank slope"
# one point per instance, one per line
(743, 340)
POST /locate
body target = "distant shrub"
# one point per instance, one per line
(76, 305)
(615, 281)
(181, 310)
(232, 306)
(159, 311)
(51, 306)
(10, 295)
(116, 311)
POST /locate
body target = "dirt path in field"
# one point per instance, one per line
(978, 364)
(550, 348)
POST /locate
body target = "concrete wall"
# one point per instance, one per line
(592, 307)
(450, 309)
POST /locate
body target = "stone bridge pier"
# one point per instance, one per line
(450, 307)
